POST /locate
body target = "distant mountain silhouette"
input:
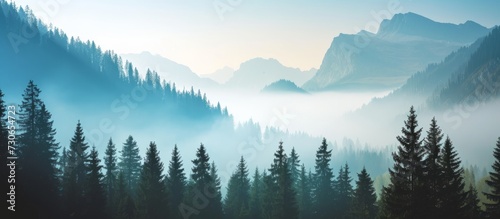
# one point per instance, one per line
(405, 44)
(221, 76)
(283, 86)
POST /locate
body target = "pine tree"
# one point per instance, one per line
(176, 184)
(152, 199)
(432, 177)
(3, 150)
(472, 208)
(284, 204)
(364, 197)
(493, 209)
(294, 164)
(322, 194)
(344, 192)
(304, 194)
(95, 192)
(126, 206)
(75, 174)
(237, 197)
(406, 196)
(130, 164)
(215, 205)
(111, 176)
(268, 195)
(38, 157)
(451, 194)
(256, 191)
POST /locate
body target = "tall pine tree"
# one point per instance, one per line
(256, 191)
(344, 192)
(304, 192)
(111, 176)
(294, 165)
(38, 157)
(493, 209)
(451, 194)
(152, 199)
(432, 177)
(215, 194)
(364, 197)
(472, 208)
(323, 192)
(237, 197)
(3, 152)
(95, 192)
(176, 184)
(285, 204)
(130, 164)
(405, 194)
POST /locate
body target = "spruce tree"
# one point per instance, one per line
(126, 206)
(152, 199)
(204, 185)
(294, 164)
(322, 194)
(95, 192)
(364, 197)
(176, 184)
(406, 196)
(285, 204)
(451, 193)
(268, 195)
(38, 157)
(344, 192)
(304, 194)
(111, 176)
(256, 191)
(3, 151)
(432, 178)
(237, 197)
(472, 208)
(214, 187)
(130, 164)
(493, 208)
(75, 174)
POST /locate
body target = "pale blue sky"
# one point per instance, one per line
(192, 32)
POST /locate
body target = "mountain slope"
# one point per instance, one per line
(220, 76)
(283, 86)
(404, 45)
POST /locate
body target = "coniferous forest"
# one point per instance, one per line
(72, 180)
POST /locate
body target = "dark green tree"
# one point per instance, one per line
(256, 191)
(269, 189)
(176, 184)
(433, 170)
(75, 175)
(215, 194)
(344, 192)
(38, 157)
(95, 192)
(472, 208)
(3, 151)
(364, 197)
(285, 204)
(126, 206)
(130, 164)
(236, 203)
(111, 176)
(304, 192)
(323, 192)
(294, 165)
(405, 194)
(452, 193)
(152, 199)
(493, 209)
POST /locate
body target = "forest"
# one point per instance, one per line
(50, 181)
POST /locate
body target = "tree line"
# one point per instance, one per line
(75, 182)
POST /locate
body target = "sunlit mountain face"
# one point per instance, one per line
(236, 109)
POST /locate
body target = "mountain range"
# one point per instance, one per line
(403, 45)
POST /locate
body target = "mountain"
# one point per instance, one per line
(256, 73)
(220, 76)
(283, 86)
(169, 70)
(405, 44)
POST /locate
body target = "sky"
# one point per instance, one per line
(207, 35)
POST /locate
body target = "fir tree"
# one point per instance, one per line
(38, 157)
(472, 208)
(284, 205)
(215, 205)
(493, 208)
(75, 174)
(304, 194)
(176, 184)
(152, 199)
(268, 195)
(95, 193)
(432, 147)
(344, 192)
(130, 164)
(406, 196)
(322, 194)
(237, 198)
(256, 191)
(294, 164)
(111, 175)
(3, 150)
(126, 206)
(364, 197)
(451, 194)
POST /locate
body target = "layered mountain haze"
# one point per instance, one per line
(405, 44)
